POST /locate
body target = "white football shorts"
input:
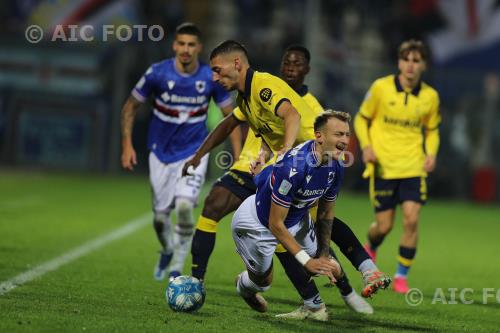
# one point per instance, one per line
(167, 183)
(256, 244)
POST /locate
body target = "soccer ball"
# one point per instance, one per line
(185, 294)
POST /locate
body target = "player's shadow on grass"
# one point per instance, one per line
(357, 322)
(343, 323)
(410, 310)
(271, 299)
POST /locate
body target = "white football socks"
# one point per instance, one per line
(183, 233)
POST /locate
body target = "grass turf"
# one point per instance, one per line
(43, 216)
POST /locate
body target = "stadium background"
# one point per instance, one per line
(60, 100)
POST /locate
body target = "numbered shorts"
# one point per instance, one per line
(167, 183)
(256, 244)
(391, 192)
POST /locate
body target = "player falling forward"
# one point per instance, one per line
(294, 68)
(389, 125)
(230, 64)
(182, 88)
(305, 175)
(230, 190)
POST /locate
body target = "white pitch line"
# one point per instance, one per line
(74, 254)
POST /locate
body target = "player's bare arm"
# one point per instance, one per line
(214, 138)
(326, 214)
(277, 226)
(324, 225)
(292, 124)
(265, 154)
(129, 110)
(235, 136)
(430, 163)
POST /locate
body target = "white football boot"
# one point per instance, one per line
(357, 303)
(305, 312)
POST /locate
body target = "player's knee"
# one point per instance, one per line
(410, 224)
(384, 228)
(410, 218)
(184, 208)
(160, 220)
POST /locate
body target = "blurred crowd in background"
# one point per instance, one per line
(60, 101)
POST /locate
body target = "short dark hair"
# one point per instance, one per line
(188, 28)
(228, 46)
(412, 45)
(323, 117)
(301, 49)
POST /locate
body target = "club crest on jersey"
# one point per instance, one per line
(200, 86)
(331, 175)
(266, 94)
(170, 84)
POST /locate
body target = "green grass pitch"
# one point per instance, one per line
(112, 290)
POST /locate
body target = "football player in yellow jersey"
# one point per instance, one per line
(237, 184)
(389, 126)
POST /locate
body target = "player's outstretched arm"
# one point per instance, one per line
(321, 265)
(235, 136)
(129, 110)
(292, 124)
(214, 138)
(265, 154)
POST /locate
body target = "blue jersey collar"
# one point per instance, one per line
(198, 66)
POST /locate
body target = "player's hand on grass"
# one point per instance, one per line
(189, 166)
(429, 163)
(322, 266)
(129, 158)
(369, 155)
